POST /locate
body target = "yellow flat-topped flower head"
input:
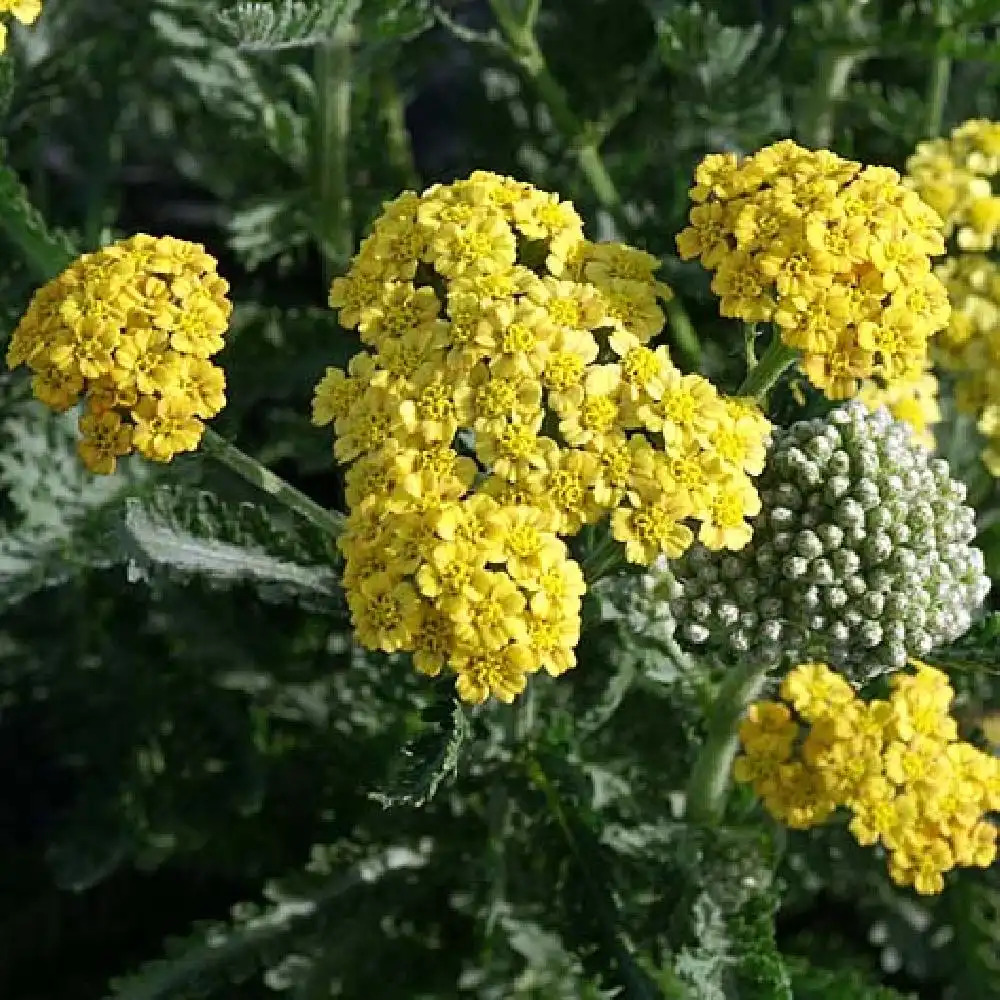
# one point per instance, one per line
(832, 253)
(502, 342)
(897, 766)
(129, 331)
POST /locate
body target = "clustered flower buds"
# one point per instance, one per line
(26, 11)
(130, 328)
(836, 255)
(860, 556)
(955, 177)
(897, 765)
(508, 398)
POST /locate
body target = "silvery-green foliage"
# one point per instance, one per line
(861, 555)
(265, 25)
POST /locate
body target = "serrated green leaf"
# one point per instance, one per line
(271, 25)
(192, 532)
(49, 251)
(64, 514)
(432, 757)
(758, 966)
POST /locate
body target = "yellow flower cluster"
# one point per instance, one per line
(130, 328)
(26, 11)
(954, 176)
(836, 255)
(897, 765)
(508, 397)
(970, 345)
(912, 400)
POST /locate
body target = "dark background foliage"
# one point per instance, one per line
(176, 738)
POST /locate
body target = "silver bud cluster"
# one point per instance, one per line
(860, 556)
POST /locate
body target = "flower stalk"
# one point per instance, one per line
(523, 48)
(217, 447)
(332, 68)
(710, 781)
(763, 376)
(937, 85)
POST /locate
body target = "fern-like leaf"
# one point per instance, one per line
(183, 531)
(269, 25)
(49, 251)
(63, 515)
(431, 758)
(216, 956)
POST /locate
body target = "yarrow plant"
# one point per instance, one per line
(509, 399)
(632, 603)
(130, 329)
(896, 764)
(836, 255)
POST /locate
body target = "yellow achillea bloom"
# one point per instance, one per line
(26, 11)
(836, 255)
(507, 398)
(955, 177)
(130, 328)
(897, 765)
(913, 400)
(969, 347)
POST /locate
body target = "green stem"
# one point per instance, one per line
(831, 81)
(328, 521)
(398, 146)
(523, 48)
(602, 903)
(708, 787)
(331, 135)
(750, 345)
(937, 86)
(759, 380)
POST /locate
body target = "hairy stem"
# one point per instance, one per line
(937, 85)
(708, 787)
(831, 81)
(398, 147)
(523, 48)
(328, 521)
(331, 136)
(761, 379)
